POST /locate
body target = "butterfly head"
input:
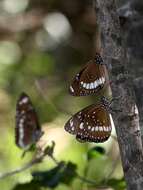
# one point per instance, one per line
(105, 102)
(98, 59)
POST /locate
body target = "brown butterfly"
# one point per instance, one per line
(91, 78)
(92, 123)
(27, 130)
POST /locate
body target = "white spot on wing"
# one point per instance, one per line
(84, 85)
(92, 129)
(103, 80)
(87, 86)
(21, 120)
(21, 135)
(20, 126)
(81, 126)
(96, 128)
(71, 88)
(71, 123)
(100, 128)
(100, 81)
(72, 128)
(104, 128)
(23, 101)
(89, 127)
(92, 85)
(95, 84)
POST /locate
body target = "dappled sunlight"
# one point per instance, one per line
(56, 134)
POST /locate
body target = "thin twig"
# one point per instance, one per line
(54, 159)
(23, 168)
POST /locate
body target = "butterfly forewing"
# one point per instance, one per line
(91, 124)
(74, 122)
(90, 79)
(27, 129)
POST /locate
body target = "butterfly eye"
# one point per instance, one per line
(27, 128)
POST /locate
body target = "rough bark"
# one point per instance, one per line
(126, 121)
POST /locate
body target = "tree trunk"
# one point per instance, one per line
(126, 121)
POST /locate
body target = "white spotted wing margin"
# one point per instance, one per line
(27, 130)
(91, 124)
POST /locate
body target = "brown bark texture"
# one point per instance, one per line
(127, 118)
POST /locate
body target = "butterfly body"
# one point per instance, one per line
(27, 129)
(90, 79)
(92, 124)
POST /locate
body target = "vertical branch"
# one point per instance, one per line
(97, 40)
(126, 121)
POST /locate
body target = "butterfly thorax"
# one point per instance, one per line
(105, 103)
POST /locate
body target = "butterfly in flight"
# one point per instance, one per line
(27, 130)
(92, 78)
(92, 124)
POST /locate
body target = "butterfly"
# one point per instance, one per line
(90, 79)
(27, 130)
(92, 124)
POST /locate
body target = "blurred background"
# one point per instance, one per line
(43, 44)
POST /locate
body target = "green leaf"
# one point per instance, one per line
(63, 173)
(69, 173)
(118, 184)
(50, 178)
(27, 186)
(95, 152)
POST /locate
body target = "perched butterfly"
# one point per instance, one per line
(90, 79)
(92, 123)
(27, 129)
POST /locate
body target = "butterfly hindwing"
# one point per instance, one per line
(27, 129)
(96, 126)
(91, 124)
(74, 122)
(90, 79)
